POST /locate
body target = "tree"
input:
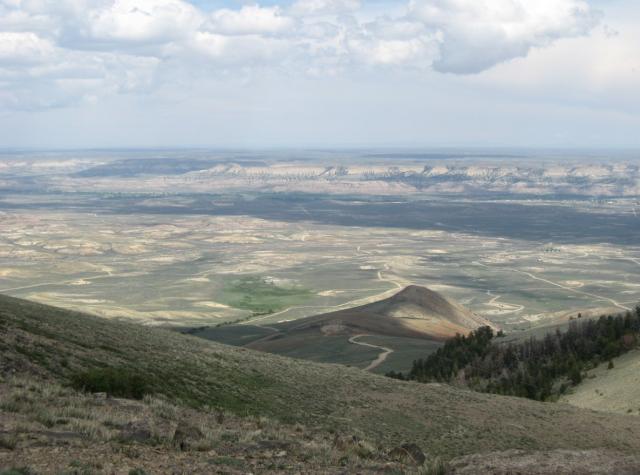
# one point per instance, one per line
(535, 368)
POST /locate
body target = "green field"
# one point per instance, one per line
(262, 295)
(406, 350)
(329, 349)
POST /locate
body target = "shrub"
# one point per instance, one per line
(118, 382)
(8, 442)
(18, 471)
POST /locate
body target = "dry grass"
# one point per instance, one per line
(94, 431)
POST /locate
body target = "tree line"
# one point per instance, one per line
(537, 368)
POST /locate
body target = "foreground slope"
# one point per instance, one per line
(56, 344)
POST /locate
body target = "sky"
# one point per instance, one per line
(319, 73)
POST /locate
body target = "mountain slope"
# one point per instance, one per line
(57, 344)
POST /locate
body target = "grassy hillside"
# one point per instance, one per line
(188, 371)
(614, 389)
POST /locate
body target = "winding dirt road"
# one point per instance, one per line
(381, 357)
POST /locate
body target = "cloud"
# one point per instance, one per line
(37, 74)
(251, 19)
(324, 7)
(144, 21)
(243, 51)
(58, 49)
(478, 34)
(22, 49)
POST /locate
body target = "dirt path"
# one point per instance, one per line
(576, 291)
(503, 307)
(564, 287)
(63, 282)
(382, 357)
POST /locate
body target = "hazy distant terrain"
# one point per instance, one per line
(201, 238)
(605, 174)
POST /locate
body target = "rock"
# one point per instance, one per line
(408, 453)
(100, 395)
(136, 432)
(186, 435)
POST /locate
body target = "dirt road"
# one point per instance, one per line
(381, 357)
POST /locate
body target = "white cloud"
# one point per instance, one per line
(251, 19)
(37, 74)
(20, 49)
(117, 46)
(243, 51)
(146, 21)
(417, 51)
(324, 7)
(478, 34)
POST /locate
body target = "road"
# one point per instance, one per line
(555, 284)
(576, 291)
(382, 357)
(63, 282)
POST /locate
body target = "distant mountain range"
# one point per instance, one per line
(382, 175)
(619, 179)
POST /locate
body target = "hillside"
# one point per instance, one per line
(614, 390)
(49, 344)
(382, 336)
(415, 312)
